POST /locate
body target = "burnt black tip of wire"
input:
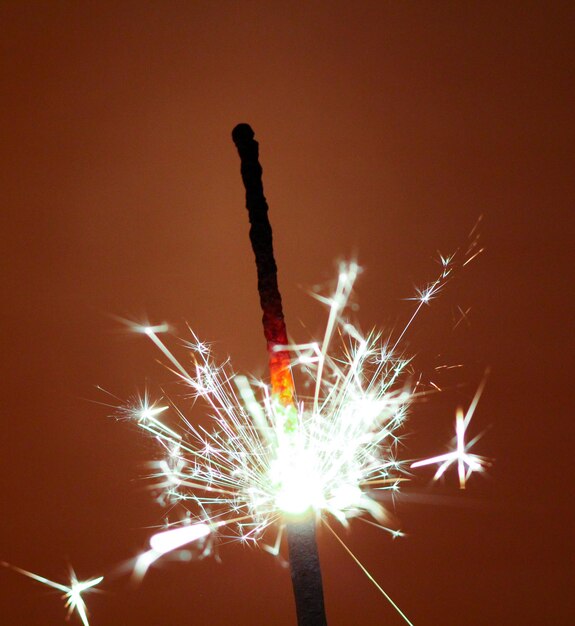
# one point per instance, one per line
(242, 133)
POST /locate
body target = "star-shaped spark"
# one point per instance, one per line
(72, 594)
(467, 463)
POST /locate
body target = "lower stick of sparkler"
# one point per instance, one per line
(306, 572)
(303, 554)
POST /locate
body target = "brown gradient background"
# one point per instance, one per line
(385, 130)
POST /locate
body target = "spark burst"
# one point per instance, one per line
(335, 451)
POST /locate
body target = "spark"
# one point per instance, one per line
(474, 248)
(425, 295)
(463, 317)
(146, 412)
(72, 593)
(467, 463)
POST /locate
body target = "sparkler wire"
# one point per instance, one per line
(303, 553)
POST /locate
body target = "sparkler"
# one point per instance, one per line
(276, 462)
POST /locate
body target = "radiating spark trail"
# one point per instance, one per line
(152, 333)
(425, 295)
(366, 572)
(72, 593)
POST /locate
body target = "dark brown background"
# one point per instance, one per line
(386, 129)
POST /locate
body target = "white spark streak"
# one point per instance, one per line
(167, 541)
(178, 537)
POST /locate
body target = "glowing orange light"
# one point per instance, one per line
(281, 378)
